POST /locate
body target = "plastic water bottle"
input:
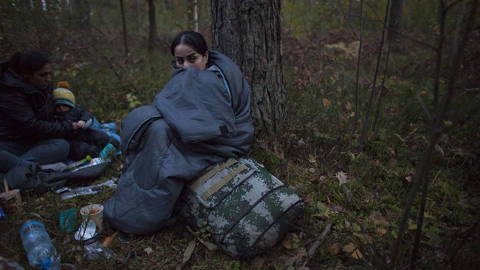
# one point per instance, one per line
(36, 242)
(107, 151)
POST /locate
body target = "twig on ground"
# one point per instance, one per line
(317, 243)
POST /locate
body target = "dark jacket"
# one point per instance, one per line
(27, 113)
(74, 115)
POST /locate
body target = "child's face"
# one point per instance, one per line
(62, 108)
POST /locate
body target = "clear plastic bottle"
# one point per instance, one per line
(36, 242)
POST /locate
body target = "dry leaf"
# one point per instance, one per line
(334, 249)
(287, 242)
(348, 106)
(381, 231)
(364, 238)
(409, 178)
(353, 250)
(312, 159)
(148, 250)
(311, 170)
(378, 219)
(326, 102)
(357, 254)
(342, 177)
(188, 253)
(349, 248)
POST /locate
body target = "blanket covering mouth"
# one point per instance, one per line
(197, 120)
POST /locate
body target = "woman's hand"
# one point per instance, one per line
(79, 124)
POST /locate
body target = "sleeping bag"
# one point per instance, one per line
(200, 118)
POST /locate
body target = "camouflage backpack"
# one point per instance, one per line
(244, 207)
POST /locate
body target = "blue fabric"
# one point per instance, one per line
(109, 128)
(192, 124)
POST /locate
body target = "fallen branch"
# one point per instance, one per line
(317, 243)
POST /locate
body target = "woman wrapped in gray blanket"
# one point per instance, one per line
(200, 118)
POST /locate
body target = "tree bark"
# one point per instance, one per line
(395, 22)
(249, 33)
(122, 10)
(152, 36)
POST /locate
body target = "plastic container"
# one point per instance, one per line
(107, 151)
(41, 253)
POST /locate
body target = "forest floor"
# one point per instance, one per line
(354, 197)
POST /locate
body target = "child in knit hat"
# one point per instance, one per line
(86, 141)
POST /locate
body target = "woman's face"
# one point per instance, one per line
(185, 56)
(41, 78)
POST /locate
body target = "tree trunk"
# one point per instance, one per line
(395, 22)
(152, 36)
(249, 33)
(122, 10)
(195, 15)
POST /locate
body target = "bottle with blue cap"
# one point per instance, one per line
(41, 253)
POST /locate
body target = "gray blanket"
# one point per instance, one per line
(197, 120)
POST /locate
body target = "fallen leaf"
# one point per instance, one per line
(378, 219)
(357, 254)
(348, 106)
(188, 253)
(334, 249)
(342, 177)
(148, 250)
(326, 102)
(364, 238)
(311, 170)
(349, 248)
(409, 178)
(353, 250)
(381, 231)
(356, 227)
(287, 242)
(312, 159)
(347, 224)
(412, 226)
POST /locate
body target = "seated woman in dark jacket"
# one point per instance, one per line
(27, 126)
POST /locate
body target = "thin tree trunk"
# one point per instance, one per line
(195, 15)
(395, 23)
(122, 10)
(152, 36)
(361, 139)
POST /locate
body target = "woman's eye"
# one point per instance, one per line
(191, 59)
(180, 61)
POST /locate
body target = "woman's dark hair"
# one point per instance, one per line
(28, 62)
(192, 39)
